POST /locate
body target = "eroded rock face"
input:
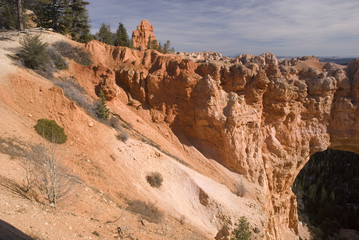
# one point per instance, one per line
(141, 35)
(257, 116)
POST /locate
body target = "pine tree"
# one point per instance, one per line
(8, 14)
(80, 29)
(121, 37)
(105, 35)
(242, 232)
(102, 109)
(7, 18)
(64, 16)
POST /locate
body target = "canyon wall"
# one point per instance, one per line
(255, 115)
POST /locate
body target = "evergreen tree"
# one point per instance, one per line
(149, 43)
(48, 13)
(242, 232)
(102, 109)
(167, 47)
(80, 29)
(33, 51)
(105, 35)
(121, 37)
(64, 16)
(7, 19)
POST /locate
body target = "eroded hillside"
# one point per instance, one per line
(209, 125)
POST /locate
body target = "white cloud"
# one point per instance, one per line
(285, 27)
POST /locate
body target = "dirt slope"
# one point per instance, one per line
(196, 198)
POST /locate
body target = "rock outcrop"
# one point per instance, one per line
(142, 34)
(255, 115)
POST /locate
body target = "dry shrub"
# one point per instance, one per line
(115, 123)
(203, 197)
(122, 135)
(147, 210)
(78, 54)
(45, 173)
(240, 189)
(155, 179)
(76, 93)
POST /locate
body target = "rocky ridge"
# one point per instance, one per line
(255, 115)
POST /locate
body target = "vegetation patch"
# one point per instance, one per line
(242, 230)
(122, 135)
(327, 189)
(102, 109)
(33, 51)
(78, 54)
(240, 189)
(76, 93)
(147, 210)
(155, 179)
(51, 131)
(203, 197)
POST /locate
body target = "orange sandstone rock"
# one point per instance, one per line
(142, 34)
(257, 116)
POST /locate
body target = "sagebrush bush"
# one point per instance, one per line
(122, 135)
(57, 59)
(155, 179)
(240, 189)
(51, 131)
(148, 210)
(78, 54)
(33, 52)
(76, 93)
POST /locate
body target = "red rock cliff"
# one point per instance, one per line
(257, 116)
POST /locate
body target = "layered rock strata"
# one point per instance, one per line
(258, 116)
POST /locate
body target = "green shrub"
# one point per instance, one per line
(60, 63)
(51, 131)
(242, 231)
(155, 179)
(33, 51)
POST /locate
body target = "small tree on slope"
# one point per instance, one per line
(242, 232)
(102, 109)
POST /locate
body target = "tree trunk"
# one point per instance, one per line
(19, 15)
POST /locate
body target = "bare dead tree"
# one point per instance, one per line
(19, 15)
(45, 172)
(123, 232)
(56, 181)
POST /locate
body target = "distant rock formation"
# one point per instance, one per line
(141, 35)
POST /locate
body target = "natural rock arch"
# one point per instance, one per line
(260, 117)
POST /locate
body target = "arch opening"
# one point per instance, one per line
(327, 191)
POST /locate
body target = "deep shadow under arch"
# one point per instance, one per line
(327, 189)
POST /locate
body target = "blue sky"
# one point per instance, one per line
(284, 27)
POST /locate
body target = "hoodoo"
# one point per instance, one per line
(143, 34)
